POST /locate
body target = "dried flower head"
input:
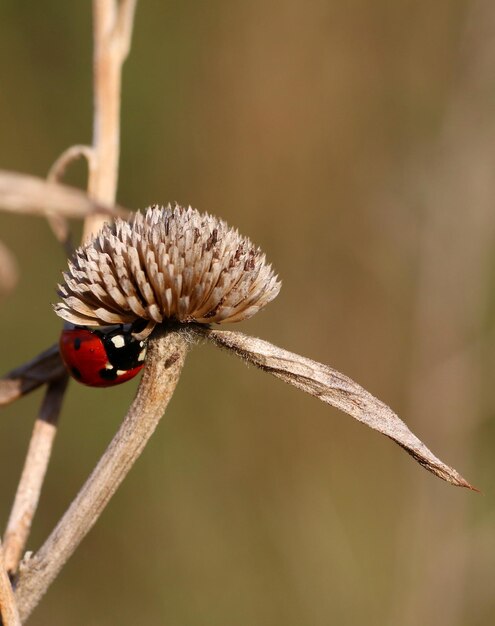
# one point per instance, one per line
(171, 263)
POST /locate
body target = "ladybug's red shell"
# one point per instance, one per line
(101, 357)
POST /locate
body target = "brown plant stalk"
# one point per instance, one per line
(33, 474)
(9, 615)
(28, 195)
(113, 23)
(42, 369)
(112, 30)
(165, 359)
(58, 223)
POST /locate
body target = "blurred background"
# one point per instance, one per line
(355, 143)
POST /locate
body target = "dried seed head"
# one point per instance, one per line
(171, 263)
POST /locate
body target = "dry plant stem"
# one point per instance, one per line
(112, 33)
(9, 615)
(9, 273)
(166, 354)
(44, 368)
(336, 389)
(59, 167)
(33, 474)
(59, 224)
(112, 30)
(29, 195)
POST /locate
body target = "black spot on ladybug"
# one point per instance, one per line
(76, 373)
(77, 343)
(108, 374)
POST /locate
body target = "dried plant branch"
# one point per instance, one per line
(9, 615)
(113, 23)
(33, 474)
(73, 153)
(112, 30)
(112, 34)
(166, 354)
(332, 387)
(59, 224)
(123, 26)
(24, 194)
(44, 368)
(8, 270)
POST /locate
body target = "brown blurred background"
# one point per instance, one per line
(355, 142)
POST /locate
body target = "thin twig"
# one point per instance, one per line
(9, 273)
(166, 354)
(29, 195)
(112, 32)
(33, 474)
(44, 368)
(9, 615)
(59, 167)
(59, 224)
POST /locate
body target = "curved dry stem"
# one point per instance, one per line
(59, 224)
(336, 389)
(165, 358)
(33, 474)
(73, 153)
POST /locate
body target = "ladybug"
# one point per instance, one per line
(103, 356)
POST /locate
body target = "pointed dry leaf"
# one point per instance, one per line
(44, 368)
(332, 387)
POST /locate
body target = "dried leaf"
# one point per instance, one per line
(44, 368)
(336, 389)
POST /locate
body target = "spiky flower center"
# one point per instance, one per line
(171, 263)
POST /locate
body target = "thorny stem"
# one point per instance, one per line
(33, 474)
(9, 615)
(164, 362)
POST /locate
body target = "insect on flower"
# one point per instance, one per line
(102, 357)
(170, 264)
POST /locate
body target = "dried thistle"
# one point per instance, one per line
(168, 264)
